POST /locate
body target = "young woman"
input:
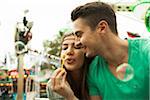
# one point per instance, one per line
(70, 81)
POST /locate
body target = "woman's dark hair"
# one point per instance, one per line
(80, 92)
(94, 12)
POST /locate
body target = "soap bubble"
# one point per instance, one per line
(125, 72)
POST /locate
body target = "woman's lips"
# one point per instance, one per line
(70, 60)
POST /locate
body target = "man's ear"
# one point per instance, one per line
(102, 26)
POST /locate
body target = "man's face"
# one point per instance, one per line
(86, 36)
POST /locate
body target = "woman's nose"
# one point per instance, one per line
(70, 51)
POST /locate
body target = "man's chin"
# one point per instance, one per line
(88, 55)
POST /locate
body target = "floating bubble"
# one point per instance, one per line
(125, 72)
(20, 47)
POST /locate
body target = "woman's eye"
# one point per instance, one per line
(64, 48)
(78, 47)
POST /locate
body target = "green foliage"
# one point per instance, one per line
(53, 47)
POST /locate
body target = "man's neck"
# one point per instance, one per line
(115, 51)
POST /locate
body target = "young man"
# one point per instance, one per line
(95, 27)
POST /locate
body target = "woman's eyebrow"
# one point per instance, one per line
(78, 44)
(73, 38)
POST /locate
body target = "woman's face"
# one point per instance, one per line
(74, 55)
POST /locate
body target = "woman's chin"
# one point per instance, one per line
(70, 67)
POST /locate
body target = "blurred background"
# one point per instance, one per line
(51, 16)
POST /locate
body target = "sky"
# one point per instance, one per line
(50, 16)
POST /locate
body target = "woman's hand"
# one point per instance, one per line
(60, 85)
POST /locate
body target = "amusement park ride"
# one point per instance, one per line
(28, 84)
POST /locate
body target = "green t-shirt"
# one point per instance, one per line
(103, 83)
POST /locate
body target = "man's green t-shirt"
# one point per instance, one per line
(103, 83)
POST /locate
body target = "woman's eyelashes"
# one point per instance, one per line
(64, 47)
(78, 46)
(75, 47)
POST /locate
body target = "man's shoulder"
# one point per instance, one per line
(139, 41)
(96, 63)
(141, 44)
(95, 69)
(96, 60)
(140, 48)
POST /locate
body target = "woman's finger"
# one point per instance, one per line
(59, 77)
(56, 72)
(64, 77)
(53, 78)
(60, 74)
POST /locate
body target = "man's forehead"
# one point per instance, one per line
(80, 22)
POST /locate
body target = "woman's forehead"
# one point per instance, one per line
(69, 38)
